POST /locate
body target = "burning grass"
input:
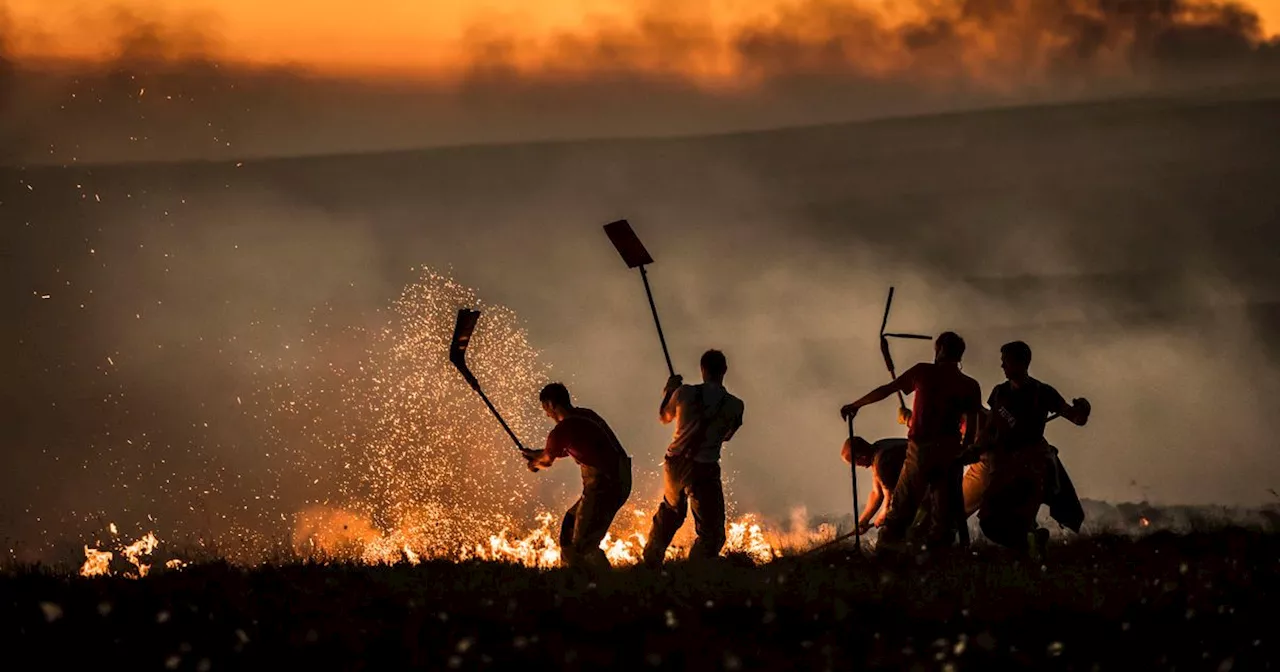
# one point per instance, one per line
(384, 454)
(1159, 600)
(332, 535)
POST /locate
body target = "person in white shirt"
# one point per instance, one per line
(706, 416)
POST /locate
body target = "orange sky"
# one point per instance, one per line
(364, 35)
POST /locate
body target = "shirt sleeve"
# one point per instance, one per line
(1051, 399)
(736, 423)
(906, 383)
(558, 442)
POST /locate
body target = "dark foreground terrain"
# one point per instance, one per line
(1164, 601)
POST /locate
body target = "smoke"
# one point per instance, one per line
(6, 62)
(170, 88)
(1129, 243)
(999, 43)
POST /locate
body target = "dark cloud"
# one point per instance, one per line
(1130, 242)
(6, 61)
(815, 62)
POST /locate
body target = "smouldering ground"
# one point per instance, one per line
(1162, 601)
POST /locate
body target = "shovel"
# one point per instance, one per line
(635, 256)
(884, 346)
(462, 331)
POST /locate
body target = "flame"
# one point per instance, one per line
(401, 463)
(96, 563)
(143, 546)
(537, 548)
(1144, 521)
(746, 536)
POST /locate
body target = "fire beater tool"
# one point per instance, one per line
(884, 347)
(853, 471)
(857, 531)
(462, 331)
(636, 256)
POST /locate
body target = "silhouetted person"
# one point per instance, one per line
(944, 399)
(935, 513)
(1007, 485)
(706, 416)
(884, 458)
(582, 434)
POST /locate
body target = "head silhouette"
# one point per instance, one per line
(555, 401)
(860, 451)
(948, 347)
(1015, 360)
(714, 366)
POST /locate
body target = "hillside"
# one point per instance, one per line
(1131, 242)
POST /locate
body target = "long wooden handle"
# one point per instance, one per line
(653, 307)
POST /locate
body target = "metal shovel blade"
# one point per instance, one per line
(462, 331)
(627, 244)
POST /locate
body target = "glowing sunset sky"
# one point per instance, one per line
(402, 36)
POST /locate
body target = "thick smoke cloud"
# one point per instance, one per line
(171, 90)
(1130, 243)
(1136, 267)
(6, 62)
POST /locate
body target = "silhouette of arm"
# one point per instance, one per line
(877, 395)
(556, 448)
(670, 403)
(1077, 413)
(974, 408)
(737, 423)
(874, 500)
(904, 384)
(667, 409)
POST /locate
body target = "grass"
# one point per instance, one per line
(1200, 600)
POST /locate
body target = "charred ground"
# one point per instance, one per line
(1199, 600)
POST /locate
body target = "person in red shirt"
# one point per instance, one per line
(580, 433)
(944, 400)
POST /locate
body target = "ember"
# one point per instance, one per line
(394, 438)
(394, 460)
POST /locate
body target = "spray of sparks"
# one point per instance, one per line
(400, 461)
(426, 471)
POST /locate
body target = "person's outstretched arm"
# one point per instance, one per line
(556, 448)
(1077, 411)
(874, 500)
(904, 384)
(667, 409)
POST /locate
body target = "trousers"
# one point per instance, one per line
(688, 483)
(585, 524)
(929, 469)
(1006, 488)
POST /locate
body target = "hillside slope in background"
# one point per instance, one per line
(1131, 243)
